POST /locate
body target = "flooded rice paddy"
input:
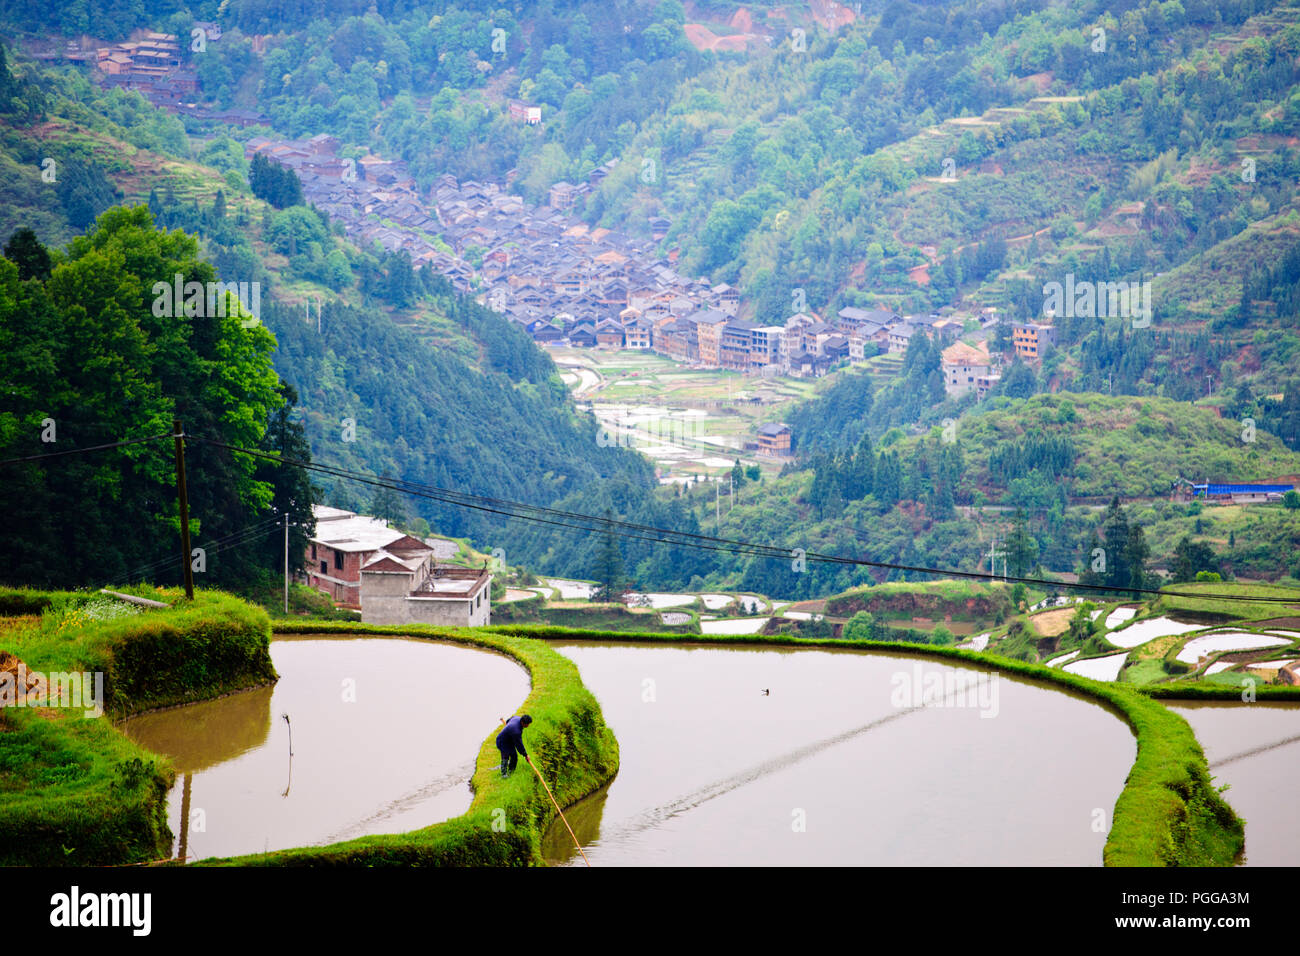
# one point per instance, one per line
(849, 758)
(385, 733)
(1255, 749)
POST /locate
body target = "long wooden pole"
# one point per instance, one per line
(559, 811)
(184, 506)
(556, 805)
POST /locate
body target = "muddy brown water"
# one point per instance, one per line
(385, 734)
(1255, 749)
(838, 765)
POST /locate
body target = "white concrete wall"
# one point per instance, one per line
(385, 599)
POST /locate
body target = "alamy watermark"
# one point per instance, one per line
(945, 688)
(1090, 300)
(82, 690)
(209, 299)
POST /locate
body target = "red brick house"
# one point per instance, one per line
(344, 542)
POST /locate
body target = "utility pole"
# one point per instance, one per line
(182, 495)
(717, 507)
(286, 562)
(994, 554)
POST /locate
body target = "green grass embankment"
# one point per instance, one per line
(568, 741)
(73, 789)
(1169, 812)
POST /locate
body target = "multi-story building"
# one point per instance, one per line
(900, 336)
(737, 337)
(774, 440)
(728, 299)
(638, 334)
(962, 365)
(341, 545)
(853, 319)
(708, 332)
(1031, 339)
(562, 195)
(765, 347)
(985, 384)
(394, 591)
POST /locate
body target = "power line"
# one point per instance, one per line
(630, 530)
(79, 451)
(526, 512)
(215, 546)
(633, 531)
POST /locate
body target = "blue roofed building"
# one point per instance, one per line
(1240, 494)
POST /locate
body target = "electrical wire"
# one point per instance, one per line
(575, 521)
(79, 451)
(215, 546)
(633, 531)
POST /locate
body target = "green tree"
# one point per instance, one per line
(1190, 558)
(1022, 547)
(26, 252)
(611, 574)
(116, 360)
(860, 627)
(387, 503)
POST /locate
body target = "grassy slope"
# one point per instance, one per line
(135, 171)
(1126, 446)
(609, 617)
(961, 599)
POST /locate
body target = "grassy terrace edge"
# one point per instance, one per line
(1169, 812)
(77, 791)
(569, 742)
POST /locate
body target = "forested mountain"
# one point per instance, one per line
(908, 156)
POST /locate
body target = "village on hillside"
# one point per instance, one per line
(562, 281)
(565, 283)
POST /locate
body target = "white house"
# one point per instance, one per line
(963, 365)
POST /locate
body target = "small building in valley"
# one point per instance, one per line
(397, 591)
(1031, 339)
(774, 440)
(962, 366)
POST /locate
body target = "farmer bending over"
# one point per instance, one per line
(511, 742)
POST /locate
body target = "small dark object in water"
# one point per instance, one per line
(767, 691)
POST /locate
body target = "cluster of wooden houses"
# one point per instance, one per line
(566, 283)
(154, 66)
(150, 65)
(804, 345)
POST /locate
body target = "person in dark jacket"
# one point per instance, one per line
(511, 742)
